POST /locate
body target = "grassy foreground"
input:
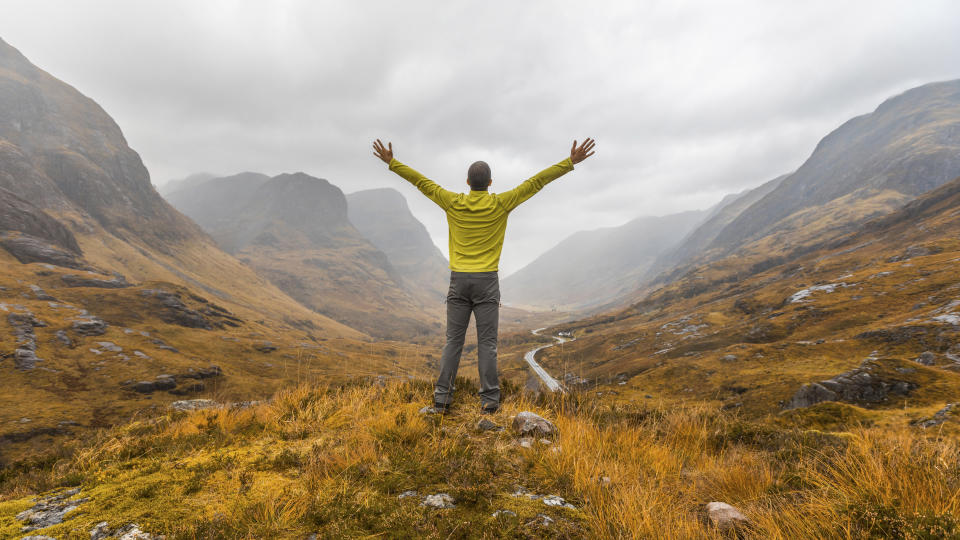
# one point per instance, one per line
(333, 461)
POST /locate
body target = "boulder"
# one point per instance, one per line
(194, 404)
(90, 326)
(858, 385)
(927, 358)
(485, 424)
(725, 517)
(528, 423)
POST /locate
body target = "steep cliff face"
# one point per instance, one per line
(60, 150)
(383, 217)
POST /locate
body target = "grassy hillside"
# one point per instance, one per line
(342, 461)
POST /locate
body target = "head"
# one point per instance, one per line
(478, 176)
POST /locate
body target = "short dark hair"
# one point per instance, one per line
(478, 175)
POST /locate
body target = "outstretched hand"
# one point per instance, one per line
(578, 154)
(383, 152)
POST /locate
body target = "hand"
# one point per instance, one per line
(383, 152)
(579, 154)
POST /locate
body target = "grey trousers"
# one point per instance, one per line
(477, 293)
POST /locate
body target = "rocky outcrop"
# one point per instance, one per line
(25, 354)
(50, 510)
(859, 385)
(88, 325)
(939, 417)
(30, 249)
(166, 382)
(117, 282)
(528, 423)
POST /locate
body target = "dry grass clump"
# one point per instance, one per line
(332, 461)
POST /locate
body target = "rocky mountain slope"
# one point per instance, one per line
(294, 230)
(383, 217)
(590, 268)
(867, 167)
(869, 324)
(113, 302)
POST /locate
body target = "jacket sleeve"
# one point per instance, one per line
(511, 199)
(431, 189)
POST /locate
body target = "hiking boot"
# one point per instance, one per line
(490, 409)
(442, 408)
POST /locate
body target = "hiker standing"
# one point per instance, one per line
(477, 222)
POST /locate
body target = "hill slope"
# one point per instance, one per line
(294, 230)
(590, 268)
(383, 217)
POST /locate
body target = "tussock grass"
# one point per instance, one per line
(332, 460)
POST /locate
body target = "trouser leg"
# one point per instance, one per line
(487, 315)
(458, 316)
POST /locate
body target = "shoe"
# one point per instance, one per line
(441, 408)
(490, 410)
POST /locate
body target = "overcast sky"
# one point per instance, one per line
(687, 101)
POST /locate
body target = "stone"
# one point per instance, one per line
(71, 280)
(41, 294)
(144, 387)
(729, 358)
(133, 532)
(194, 404)
(429, 409)
(439, 500)
(541, 519)
(725, 517)
(100, 531)
(556, 500)
(528, 423)
(174, 311)
(25, 359)
(485, 424)
(408, 493)
(164, 382)
(90, 326)
(110, 346)
(926, 358)
(858, 385)
(525, 442)
(939, 417)
(50, 511)
(29, 249)
(63, 338)
(504, 513)
(265, 347)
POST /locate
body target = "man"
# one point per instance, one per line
(477, 222)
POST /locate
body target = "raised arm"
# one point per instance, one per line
(511, 199)
(428, 187)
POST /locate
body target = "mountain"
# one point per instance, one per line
(383, 217)
(113, 303)
(590, 268)
(294, 229)
(173, 185)
(869, 166)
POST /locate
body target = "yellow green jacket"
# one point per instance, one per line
(477, 221)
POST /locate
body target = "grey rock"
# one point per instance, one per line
(858, 385)
(439, 500)
(25, 359)
(555, 500)
(729, 358)
(38, 537)
(62, 337)
(90, 326)
(49, 510)
(30, 249)
(165, 382)
(194, 404)
(927, 358)
(100, 531)
(429, 410)
(485, 424)
(725, 517)
(41, 294)
(265, 347)
(541, 519)
(71, 280)
(408, 493)
(144, 387)
(174, 311)
(110, 346)
(504, 513)
(525, 442)
(133, 532)
(939, 417)
(528, 423)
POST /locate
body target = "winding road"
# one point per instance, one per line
(530, 356)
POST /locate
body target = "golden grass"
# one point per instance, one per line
(333, 460)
